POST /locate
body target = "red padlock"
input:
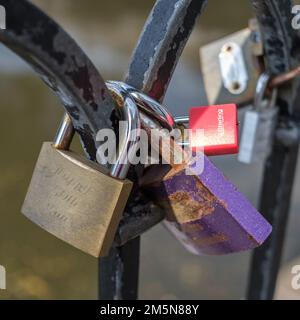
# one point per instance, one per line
(220, 129)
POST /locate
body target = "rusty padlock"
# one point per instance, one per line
(74, 198)
(205, 211)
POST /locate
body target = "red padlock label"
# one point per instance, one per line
(220, 125)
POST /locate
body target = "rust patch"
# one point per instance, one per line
(191, 228)
(118, 99)
(251, 238)
(185, 206)
(223, 203)
(182, 208)
(209, 241)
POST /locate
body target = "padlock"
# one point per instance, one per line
(259, 125)
(219, 122)
(220, 129)
(230, 66)
(74, 198)
(204, 210)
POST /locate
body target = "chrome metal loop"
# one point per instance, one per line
(260, 93)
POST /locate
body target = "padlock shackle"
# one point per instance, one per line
(127, 147)
(261, 89)
(182, 120)
(65, 134)
(130, 115)
(149, 121)
(146, 104)
(133, 101)
(153, 116)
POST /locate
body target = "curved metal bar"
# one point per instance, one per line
(281, 43)
(163, 39)
(62, 65)
(153, 62)
(282, 53)
(159, 48)
(65, 68)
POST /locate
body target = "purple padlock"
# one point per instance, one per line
(206, 212)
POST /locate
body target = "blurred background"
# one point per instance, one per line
(41, 267)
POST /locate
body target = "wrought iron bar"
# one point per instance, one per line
(282, 53)
(165, 34)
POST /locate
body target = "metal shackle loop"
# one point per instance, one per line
(130, 114)
(65, 134)
(145, 103)
(127, 146)
(260, 92)
(133, 102)
(153, 115)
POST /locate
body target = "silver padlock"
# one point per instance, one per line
(259, 125)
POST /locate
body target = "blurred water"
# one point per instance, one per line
(39, 266)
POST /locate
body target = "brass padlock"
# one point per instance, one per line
(74, 198)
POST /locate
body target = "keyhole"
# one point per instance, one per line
(235, 86)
